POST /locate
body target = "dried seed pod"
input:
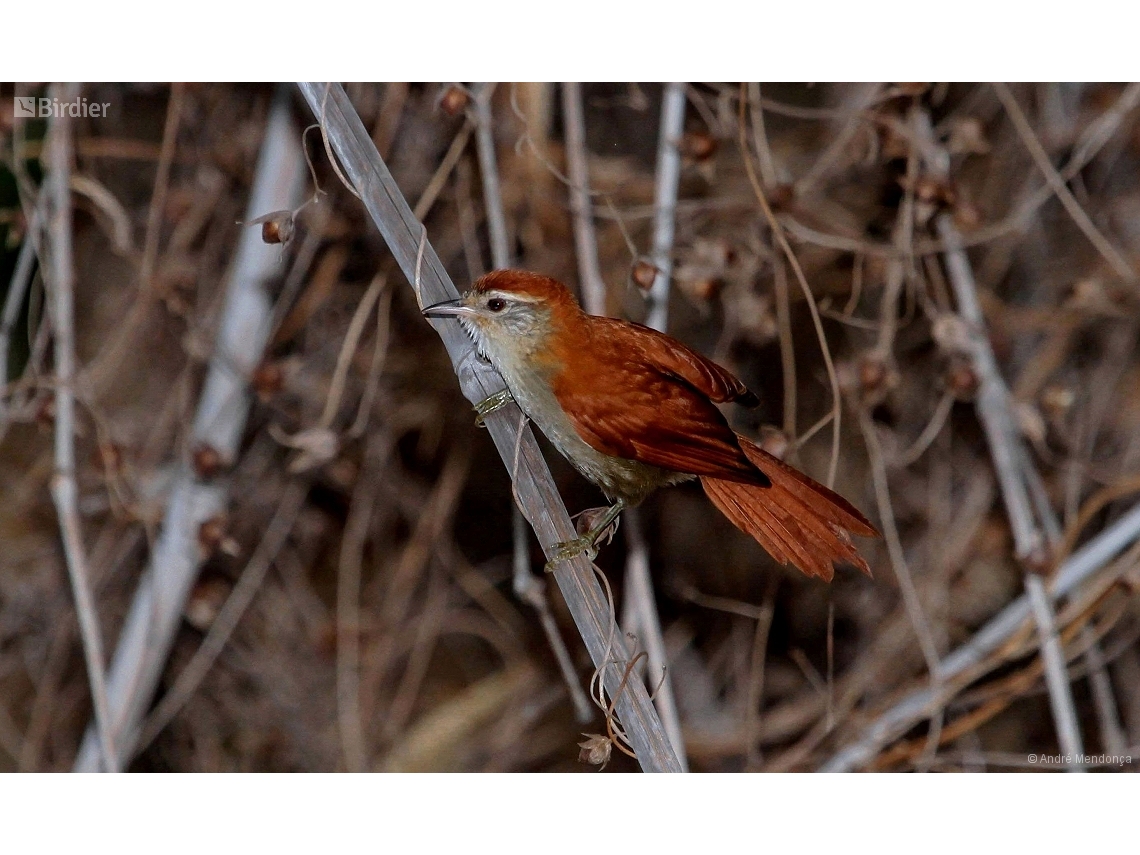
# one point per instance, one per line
(1039, 561)
(1030, 422)
(701, 290)
(931, 190)
(276, 226)
(207, 461)
(317, 446)
(267, 380)
(210, 534)
(961, 379)
(1057, 400)
(1098, 297)
(701, 275)
(967, 136)
(951, 334)
(213, 537)
(644, 274)
(454, 100)
(205, 602)
(45, 412)
(596, 750)
(875, 376)
(872, 372)
(698, 145)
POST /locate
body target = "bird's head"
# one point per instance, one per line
(510, 313)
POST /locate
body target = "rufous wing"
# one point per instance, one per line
(650, 399)
(673, 359)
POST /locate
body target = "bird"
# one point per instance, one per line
(633, 409)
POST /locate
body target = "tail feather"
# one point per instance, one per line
(797, 520)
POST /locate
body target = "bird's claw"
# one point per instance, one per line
(591, 541)
(491, 403)
(597, 523)
(586, 545)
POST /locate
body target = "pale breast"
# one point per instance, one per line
(618, 477)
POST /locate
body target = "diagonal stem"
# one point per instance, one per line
(1110, 253)
(534, 485)
(528, 587)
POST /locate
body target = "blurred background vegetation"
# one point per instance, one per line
(771, 671)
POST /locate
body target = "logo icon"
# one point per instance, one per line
(25, 107)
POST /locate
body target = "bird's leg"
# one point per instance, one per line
(491, 403)
(588, 543)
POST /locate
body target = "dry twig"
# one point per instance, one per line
(64, 489)
(542, 506)
(640, 613)
(667, 182)
(191, 676)
(585, 240)
(1078, 569)
(1010, 462)
(527, 586)
(781, 239)
(1111, 254)
(219, 423)
(13, 301)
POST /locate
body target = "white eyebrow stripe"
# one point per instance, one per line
(511, 295)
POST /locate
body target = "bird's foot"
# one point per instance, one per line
(598, 523)
(491, 403)
(584, 545)
(589, 542)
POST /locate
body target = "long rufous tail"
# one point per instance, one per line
(797, 520)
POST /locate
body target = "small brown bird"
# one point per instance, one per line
(633, 410)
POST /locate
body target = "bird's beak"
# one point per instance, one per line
(448, 309)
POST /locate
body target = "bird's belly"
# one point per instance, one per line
(618, 477)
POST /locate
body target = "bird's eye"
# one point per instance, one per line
(496, 304)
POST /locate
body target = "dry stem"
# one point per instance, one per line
(63, 486)
(666, 184)
(585, 240)
(527, 586)
(219, 423)
(1111, 254)
(781, 239)
(541, 504)
(191, 676)
(1010, 462)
